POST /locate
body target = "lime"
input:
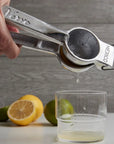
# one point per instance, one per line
(65, 107)
(3, 114)
(49, 110)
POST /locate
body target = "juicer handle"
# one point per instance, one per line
(24, 40)
(105, 59)
(106, 54)
(35, 44)
(30, 24)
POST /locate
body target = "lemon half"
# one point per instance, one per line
(22, 112)
(37, 103)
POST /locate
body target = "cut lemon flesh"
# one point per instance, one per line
(37, 103)
(22, 112)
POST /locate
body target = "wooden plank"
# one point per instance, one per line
(69, 11)
(42, 77)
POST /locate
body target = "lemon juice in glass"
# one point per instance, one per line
(81, 115)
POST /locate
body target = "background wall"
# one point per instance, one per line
(41, 74)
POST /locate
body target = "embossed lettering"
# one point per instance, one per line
(15, 16)
(106, 55)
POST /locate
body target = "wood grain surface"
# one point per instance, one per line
(41, 74)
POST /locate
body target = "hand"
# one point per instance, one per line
(7, 45)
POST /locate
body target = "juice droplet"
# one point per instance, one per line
(77, 78)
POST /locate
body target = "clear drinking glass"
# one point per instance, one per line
(81, 115)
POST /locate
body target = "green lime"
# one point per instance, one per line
(65, 107)
(3, 114)
(49, 110)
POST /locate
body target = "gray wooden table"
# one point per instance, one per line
(41, 74)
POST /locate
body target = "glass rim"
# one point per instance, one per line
(81, 92)
(102, 118)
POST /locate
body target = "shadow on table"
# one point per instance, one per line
(41, 124)
(7, 124)
(34, 124)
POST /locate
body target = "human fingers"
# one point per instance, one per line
(7, 45)
(4, 2)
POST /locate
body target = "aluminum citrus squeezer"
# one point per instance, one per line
(77, 49)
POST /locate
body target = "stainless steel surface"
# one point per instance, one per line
(47, 42)
(103, 58)
(30, 24)
(35, 44)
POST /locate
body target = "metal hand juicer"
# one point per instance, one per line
(77, 50)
